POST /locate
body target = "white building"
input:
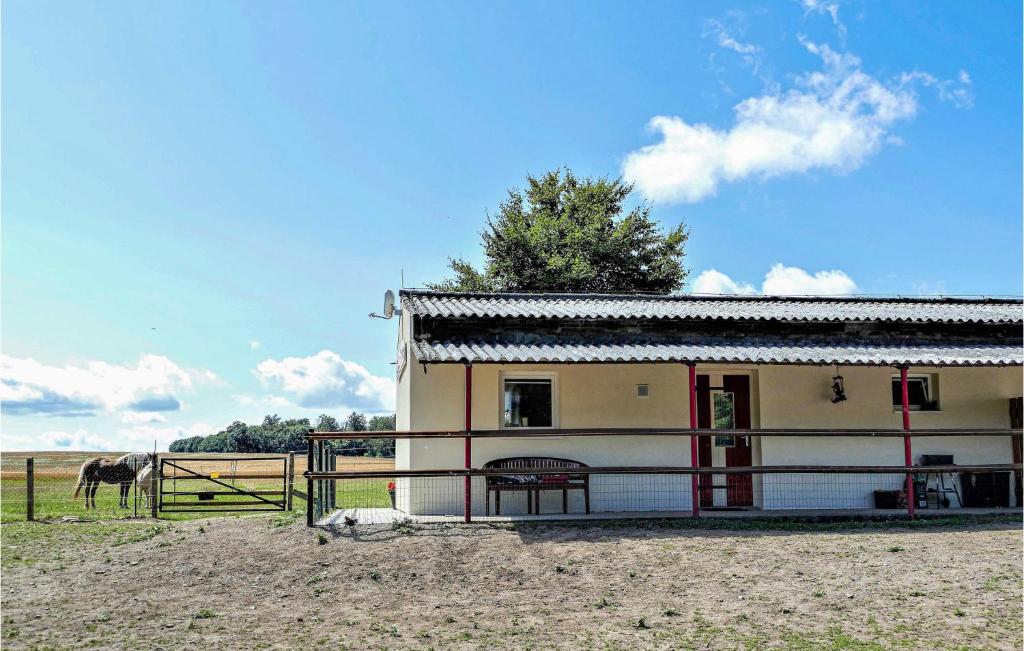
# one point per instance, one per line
(550, 366)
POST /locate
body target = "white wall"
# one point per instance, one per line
(799, 396)
(587, 396)
(605, 396)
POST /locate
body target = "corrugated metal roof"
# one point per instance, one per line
(781, 308)
(746, 351)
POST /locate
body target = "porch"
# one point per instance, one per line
(389, 516)
(931, 485)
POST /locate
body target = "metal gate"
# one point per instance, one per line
(217, 484)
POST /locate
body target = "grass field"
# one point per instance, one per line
(268, 582)
(67, 463)
(56, 474)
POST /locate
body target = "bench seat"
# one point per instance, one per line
(534, 484)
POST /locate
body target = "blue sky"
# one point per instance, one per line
(202, 201)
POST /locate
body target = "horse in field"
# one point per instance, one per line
(121, 471)
(143, 481)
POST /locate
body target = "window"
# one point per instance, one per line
(528, 402)
(922, 393)
(723, 405)
(643, 390)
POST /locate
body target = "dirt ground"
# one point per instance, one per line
(262, 582)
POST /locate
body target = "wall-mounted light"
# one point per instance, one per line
(838, 390)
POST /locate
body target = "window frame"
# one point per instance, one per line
(728, 440)
(931, 392)
(505, 376)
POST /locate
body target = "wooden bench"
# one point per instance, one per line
(534, 484)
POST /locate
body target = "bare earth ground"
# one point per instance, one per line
(260, 582)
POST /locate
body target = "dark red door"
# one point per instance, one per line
(739, 488)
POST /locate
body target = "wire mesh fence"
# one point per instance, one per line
(64, 485)
(193, 484)
(533, 486)
(442, 498)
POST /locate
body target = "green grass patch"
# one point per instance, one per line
(34, 542)
(54, 499)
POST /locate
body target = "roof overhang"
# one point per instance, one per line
(744, 352)
(455, 305)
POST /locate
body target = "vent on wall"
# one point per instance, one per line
(643, 390)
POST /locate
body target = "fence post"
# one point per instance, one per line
(154, 487)
(908, 457)
(30, 488)
(291, 480)
(332, 486)
(694, 478)
(309, 481)
(321, 487)
(468, 506)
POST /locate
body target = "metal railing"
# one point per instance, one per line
(783, 484)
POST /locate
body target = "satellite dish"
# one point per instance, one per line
(389, 307)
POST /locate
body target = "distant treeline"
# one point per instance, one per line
(277, 435)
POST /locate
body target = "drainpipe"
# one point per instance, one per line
(908, 458)
(467, 507)
(694, 485)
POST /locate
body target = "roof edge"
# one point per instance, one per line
(857, 298)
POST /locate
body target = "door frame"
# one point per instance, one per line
(710, 380)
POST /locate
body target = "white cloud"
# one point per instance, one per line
(958, 91)
(930, 288)
(833, 119)
(726, 40)
(254, 344)
(245, 400)
(713, 281)
(127, 439)
(793, 281)
(29, 387)
(779, 281)
(142, 417)
(142, 437)
(825, 7)
(750, 53)
(326, 380)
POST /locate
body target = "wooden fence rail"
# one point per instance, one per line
(639, 431)
(656, 470)
(317, 471)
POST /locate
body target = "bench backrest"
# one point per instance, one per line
(534, 462)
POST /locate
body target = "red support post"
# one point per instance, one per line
(694, 482)
(908, 458)
(468, 506)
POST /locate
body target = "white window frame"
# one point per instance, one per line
(527, 375)
(723, 392)
(933, 386)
